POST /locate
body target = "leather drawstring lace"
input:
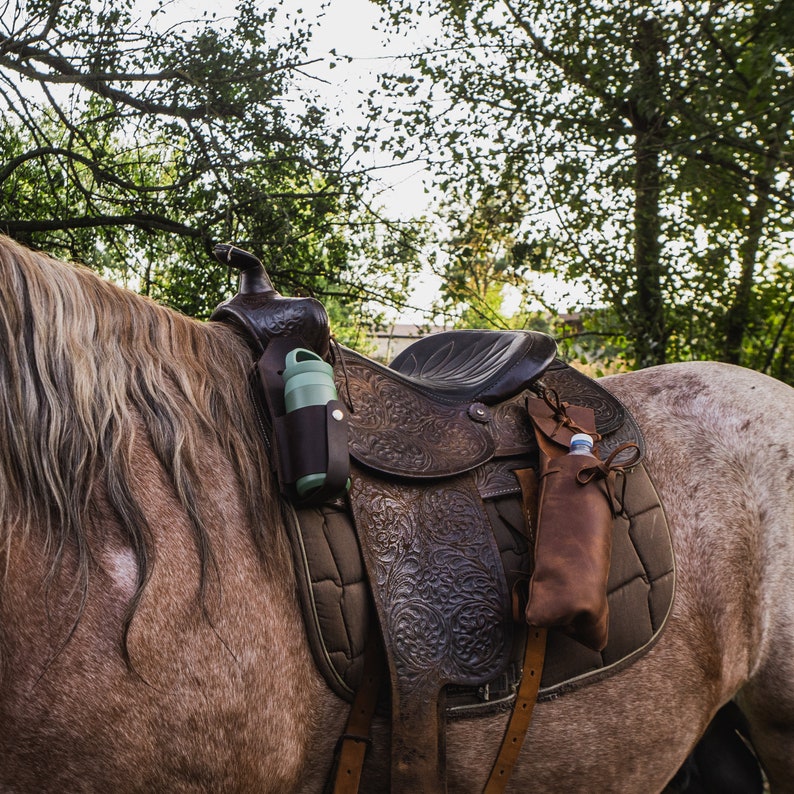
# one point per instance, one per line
(560, 411)
(607, 470)
(338, 354)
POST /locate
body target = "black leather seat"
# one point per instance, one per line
(473, 365)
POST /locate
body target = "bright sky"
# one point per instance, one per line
(346, 26)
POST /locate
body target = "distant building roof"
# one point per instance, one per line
(393, 339)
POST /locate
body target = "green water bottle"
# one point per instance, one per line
(308, 380)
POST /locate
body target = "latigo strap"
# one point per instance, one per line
(355, 741)
(522, 712)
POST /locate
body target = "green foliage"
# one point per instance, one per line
(133, 143)
(643, 148)
(769, 338)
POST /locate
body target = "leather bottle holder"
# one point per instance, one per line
(573, 537)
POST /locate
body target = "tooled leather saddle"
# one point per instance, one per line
(435, 444)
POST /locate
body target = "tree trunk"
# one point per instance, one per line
(649, 331)
(738, 315)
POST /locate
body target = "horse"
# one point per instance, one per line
(150, 632)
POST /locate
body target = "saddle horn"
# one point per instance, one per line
(254, 279)
(261, 313)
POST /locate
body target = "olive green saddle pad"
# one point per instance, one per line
(337, 608)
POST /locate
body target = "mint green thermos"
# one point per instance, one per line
(308, 380)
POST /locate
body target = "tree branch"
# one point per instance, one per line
(102, 174)
(145, 221)
(574, 74)
(65, 72)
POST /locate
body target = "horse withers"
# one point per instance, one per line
(150, 635)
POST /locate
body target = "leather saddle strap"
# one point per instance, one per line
(522, 712)
(354, 742)
(534, 654)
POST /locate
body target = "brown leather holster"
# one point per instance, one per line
(573, 538)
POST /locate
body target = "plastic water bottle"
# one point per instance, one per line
(581, 444)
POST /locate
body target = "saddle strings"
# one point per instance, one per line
(560, 411)
(607, 469)
(339, 355)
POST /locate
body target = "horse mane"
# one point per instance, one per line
(82, 364)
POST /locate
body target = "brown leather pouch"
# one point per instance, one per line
(573, 540)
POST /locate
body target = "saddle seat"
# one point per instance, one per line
(476, 365)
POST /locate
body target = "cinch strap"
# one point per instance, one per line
(354, 742)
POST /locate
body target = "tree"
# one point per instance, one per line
(134, 142)
(485, 272)
(646, 147)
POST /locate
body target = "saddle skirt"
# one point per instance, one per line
(337, 607)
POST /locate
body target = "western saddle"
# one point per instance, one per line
(417, 444)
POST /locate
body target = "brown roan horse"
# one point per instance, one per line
(150, 635)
